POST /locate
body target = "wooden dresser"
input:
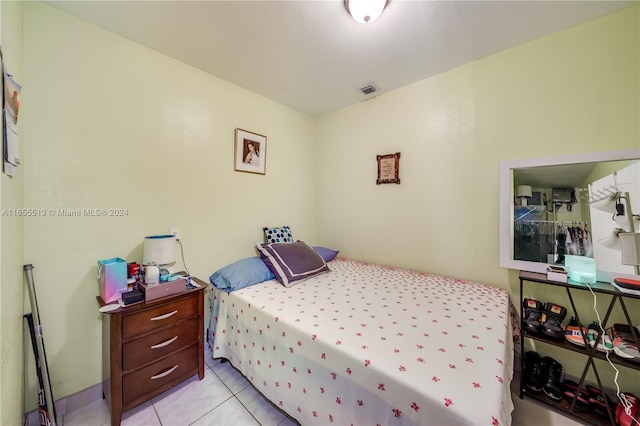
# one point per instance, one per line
(150, 347)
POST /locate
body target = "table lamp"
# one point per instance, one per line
(523, 192)
(158, 254)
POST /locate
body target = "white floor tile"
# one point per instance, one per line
(208, 357)
(261, 408)
(529, 412)
(288, 421)
(230, 413)
(93, 414)
(142, 415)
(231, 377)
(190, 400)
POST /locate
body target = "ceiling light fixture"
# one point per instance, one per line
(365, 11)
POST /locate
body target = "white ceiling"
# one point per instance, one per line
(563, 176)
(311, 56)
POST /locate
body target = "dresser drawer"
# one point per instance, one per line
(142, 322)
(160, 376)
(139, 352)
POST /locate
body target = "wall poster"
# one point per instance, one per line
(11, 108)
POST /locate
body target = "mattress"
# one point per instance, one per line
(369, 344)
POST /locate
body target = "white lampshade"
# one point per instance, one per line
(159, 249)
(613, 240)
(523, 191)
(630, 244)
(365, 11)
(608, 204)
(622, 221)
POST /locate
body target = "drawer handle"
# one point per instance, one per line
(163, 344)
(165, 316)
(166, 373)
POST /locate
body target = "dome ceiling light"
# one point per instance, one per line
(365, 11)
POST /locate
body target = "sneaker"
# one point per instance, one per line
(554, 376)
(605, 344)
(574, 333)
(533, 310)
(552, 325)
(624, 331)
(620, 335)
(533, 371)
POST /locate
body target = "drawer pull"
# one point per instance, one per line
(163, 344)
(166, 373)
(165, 316)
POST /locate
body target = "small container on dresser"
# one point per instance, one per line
(557, 273)
(151, 347)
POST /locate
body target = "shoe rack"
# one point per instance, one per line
(590, 353)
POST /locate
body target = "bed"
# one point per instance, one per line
(369, 344)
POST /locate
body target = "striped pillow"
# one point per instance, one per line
(291, 263)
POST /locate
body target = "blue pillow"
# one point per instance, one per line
(241, 274)
(326, 253)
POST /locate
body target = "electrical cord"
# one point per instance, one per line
(182, 255)
(621, 397)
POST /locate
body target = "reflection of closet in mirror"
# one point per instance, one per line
(557, 172)
(553, 222)
(549, 241)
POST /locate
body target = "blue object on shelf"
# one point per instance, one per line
(581, 269)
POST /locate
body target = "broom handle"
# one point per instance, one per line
(28, 269)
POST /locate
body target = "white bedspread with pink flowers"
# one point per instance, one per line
(371, 345)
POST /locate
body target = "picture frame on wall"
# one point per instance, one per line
(250, 152)
(388, 168)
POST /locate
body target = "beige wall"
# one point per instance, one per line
(575, 91)
(572, 92)
(12, 288)
(111, 124)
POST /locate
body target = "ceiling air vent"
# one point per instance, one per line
(369, 89)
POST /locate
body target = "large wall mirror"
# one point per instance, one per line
(547, 210)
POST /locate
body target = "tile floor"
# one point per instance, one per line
(223, 397)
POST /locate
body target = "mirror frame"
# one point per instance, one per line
(506, 197)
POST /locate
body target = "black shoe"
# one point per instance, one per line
(532, 311)
(553, 325)
(554, 376)
(533, 371)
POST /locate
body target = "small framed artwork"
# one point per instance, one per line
(388, 168)
(251, 152)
